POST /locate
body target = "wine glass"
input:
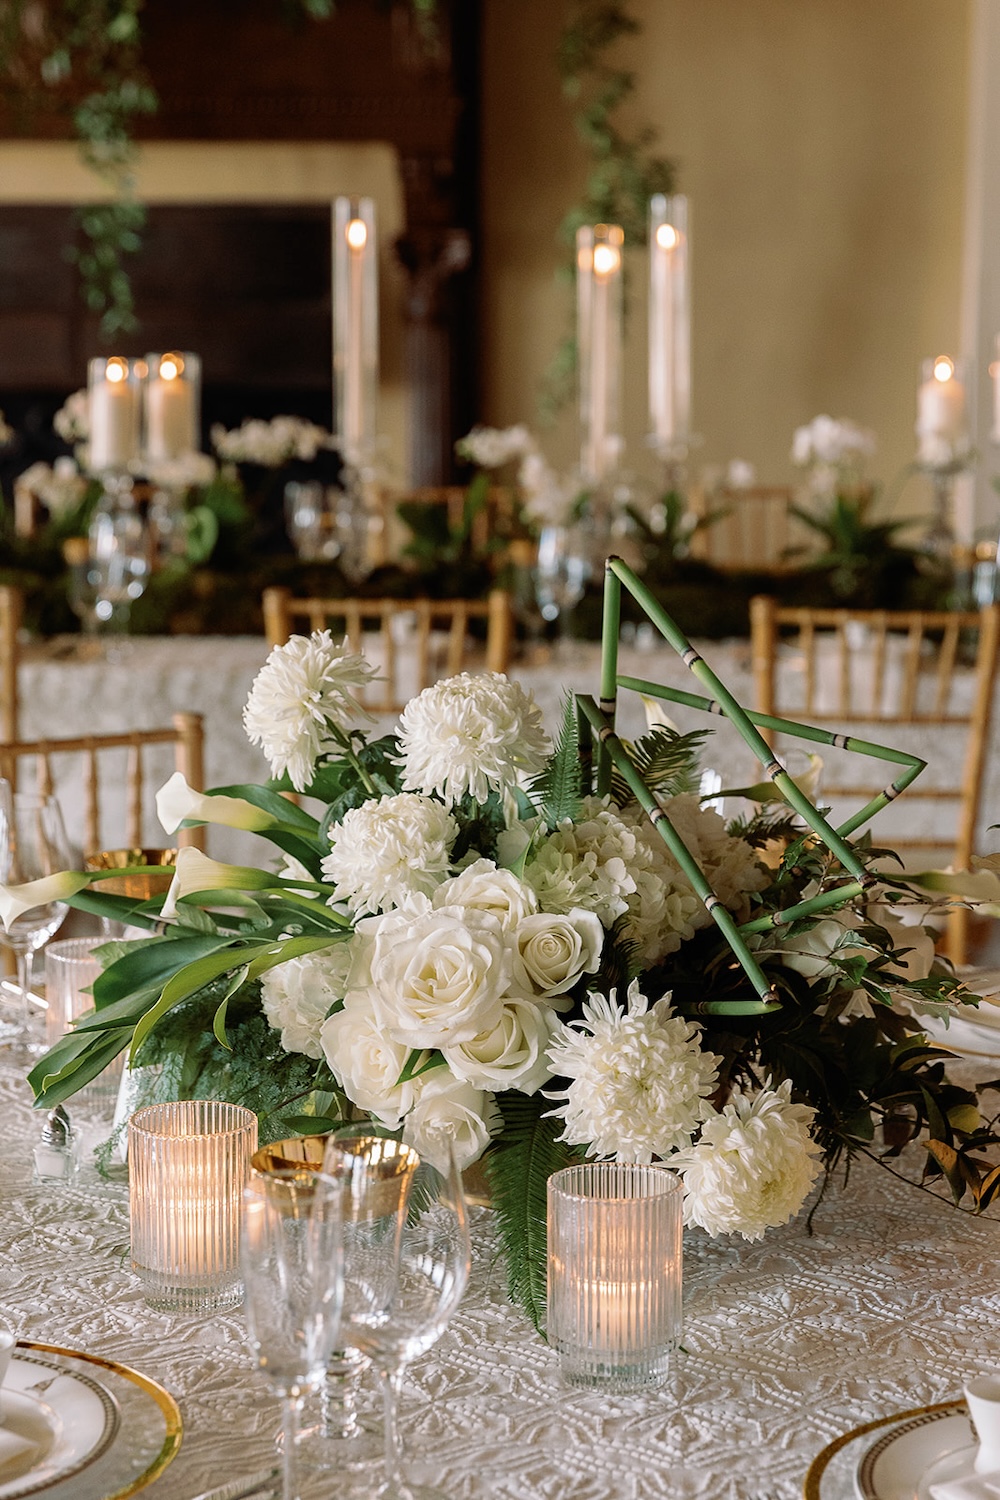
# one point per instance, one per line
(407, 1256)
(563, 569)
(32, 844)
(118, 568)
(291, 1259)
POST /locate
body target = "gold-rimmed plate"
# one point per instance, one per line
(133, 1450)
(909, 1446)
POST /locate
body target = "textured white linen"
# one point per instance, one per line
(892, 1302)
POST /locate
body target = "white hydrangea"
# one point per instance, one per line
(637, 1077)
(492, 447)
(297, 996)
(753, 1165)
(730, 865)
(388, 849)
(614, 863)
(471, 734)
(303, 688)
(270, 444)
(72, 420)
(59, 488)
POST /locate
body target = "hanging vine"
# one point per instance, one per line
(624, 172)
(83, 60)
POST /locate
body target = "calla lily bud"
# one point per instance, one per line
(17, 899)
(176, 803)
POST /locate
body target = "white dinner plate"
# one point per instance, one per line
(924, 1449)
(68, 1416)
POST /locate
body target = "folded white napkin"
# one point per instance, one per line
(974, 1487)
(13, 1447)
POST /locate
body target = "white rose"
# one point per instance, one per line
(367, 1063)
(553, 951)
(437, 977)
(483, 887)
(445, 1108)
(512, 1055)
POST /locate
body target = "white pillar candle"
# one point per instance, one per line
(941, 426)
(171, 406)
(355, 327)
(669, 323)
(599, 338)
(113, 400)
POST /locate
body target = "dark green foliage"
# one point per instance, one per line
(556, 791)
(518, 1167)
(666, 760)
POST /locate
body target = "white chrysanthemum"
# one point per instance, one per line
(303, 688)
(637, 1076)
(471, 734)
(297, 996)
(753, 1165)
(388, 849)
(614, 863)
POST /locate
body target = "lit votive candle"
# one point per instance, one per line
(188, 1164)
(614, 1273)
(941, 424)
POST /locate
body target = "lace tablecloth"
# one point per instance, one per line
(892, 1302)
(151, 678)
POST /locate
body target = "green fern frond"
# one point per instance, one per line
(668, 762)
(555, 792)
(518, 1168)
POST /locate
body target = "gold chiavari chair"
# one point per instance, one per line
(11, 612)
(753, 529)
(186, 735)
(901, 670)
(414, 642)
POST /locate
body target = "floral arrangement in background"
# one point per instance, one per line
(271, 444)
(834, 454)
(545, 498)
(464, 934)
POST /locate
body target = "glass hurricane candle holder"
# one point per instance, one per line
(114, 407)
(171, 406)
(614, 1273)
(189, 1162)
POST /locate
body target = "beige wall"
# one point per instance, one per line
(822, 145)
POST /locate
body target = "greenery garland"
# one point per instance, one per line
(623, 174)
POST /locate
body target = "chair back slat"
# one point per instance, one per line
(912, 665)
(428, 637)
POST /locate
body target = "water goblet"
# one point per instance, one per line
(291, 1259)
(406, 1265)
(562, 571)
(119, 562)
(33, 844)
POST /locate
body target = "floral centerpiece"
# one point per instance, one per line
(465, 929)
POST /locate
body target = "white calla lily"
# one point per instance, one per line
(177, 802)
(195, 872)
(17, 899)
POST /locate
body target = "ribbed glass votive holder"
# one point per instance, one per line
(188, 1165)
(614, 1273)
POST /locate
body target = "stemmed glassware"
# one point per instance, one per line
(563, 569)
(118, 563)
(32, 844)
(291, 1259)
(406, 1265)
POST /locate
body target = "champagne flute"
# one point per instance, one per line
(291, 1259)
(406, 1265)
(33, 844)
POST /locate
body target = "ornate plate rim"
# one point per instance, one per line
(163, 1399)
(25, 1485)
(819, 1465)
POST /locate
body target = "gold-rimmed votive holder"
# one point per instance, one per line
(614, 1273)
(189, 1161)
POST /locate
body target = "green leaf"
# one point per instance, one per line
(518, 1167)
(556, 790)
(219, 1019)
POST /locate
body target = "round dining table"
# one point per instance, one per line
(885, 1300)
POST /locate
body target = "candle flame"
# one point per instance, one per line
(171, 366)
(995, 369)
(667, 237)
(116, 370)
(944, 368)
(606, 260)
(357, 234)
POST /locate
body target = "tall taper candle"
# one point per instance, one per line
(355, 327)
(669, 324)
(599, 284)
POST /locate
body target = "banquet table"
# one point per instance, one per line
(891, 1302)
(139, 682)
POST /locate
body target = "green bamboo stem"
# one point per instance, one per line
(823, 902)
(610, 631)
(912, 763)
(586, 752)
(617, 754)
(773, 769)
